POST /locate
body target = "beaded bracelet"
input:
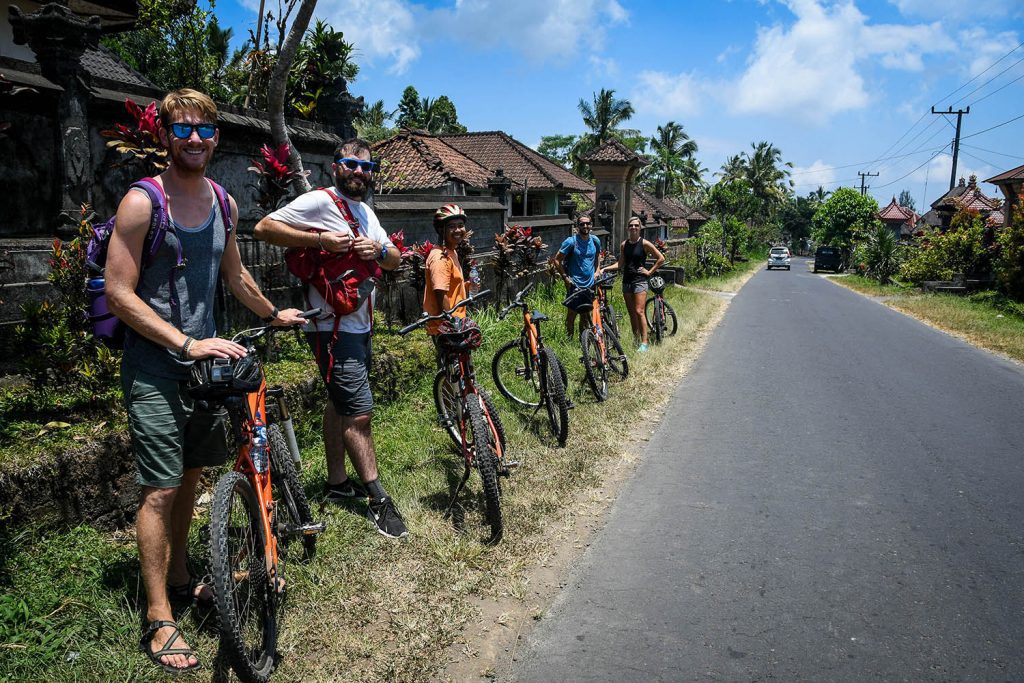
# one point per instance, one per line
(183, 354)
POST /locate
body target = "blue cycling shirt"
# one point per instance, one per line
(580, 258)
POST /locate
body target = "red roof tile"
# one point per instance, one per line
(416, 160)
(615, 152)
(495, 149)
(894, 212)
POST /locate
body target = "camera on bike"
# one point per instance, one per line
(221, 371)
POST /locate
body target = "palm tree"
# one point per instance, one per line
(672, 148)
(602, 116)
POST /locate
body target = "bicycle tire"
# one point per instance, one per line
(594, 367)
(659, 320)
(246, 605)
(495, 420)
(609, 318)
(671, 323)
(486, 460)
(554, 395)
(449, 409)
(617, 360)
(515, 374)
(285, 479)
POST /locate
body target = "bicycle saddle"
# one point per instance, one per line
(538, 317)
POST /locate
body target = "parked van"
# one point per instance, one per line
(828, 258)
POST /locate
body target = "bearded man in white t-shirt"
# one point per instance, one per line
(314, 220)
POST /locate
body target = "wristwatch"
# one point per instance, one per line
(272, 317)
(383, 252)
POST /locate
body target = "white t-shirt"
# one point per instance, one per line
(316, 209)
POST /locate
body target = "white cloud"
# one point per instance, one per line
(818, 173)
(396, 30)
(985, 48)
(952, 10)
(603, 68)
(667, 95)
(810, 70)
(936, 173)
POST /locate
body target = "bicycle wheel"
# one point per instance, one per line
(448, 402)
(671, 324)
(616, 356)
(449, 406)
(609, 318)
(658, 324)
(486, 460)
(593, 365)
(515, 374)
(499, 428)
(293, 509)
(246, 603)
(554, 395)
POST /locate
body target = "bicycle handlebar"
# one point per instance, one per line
(517, 301)
(424, 319)
(254, 333)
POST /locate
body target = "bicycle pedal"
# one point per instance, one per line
(306, 529)
(509, 465)
(520, 372)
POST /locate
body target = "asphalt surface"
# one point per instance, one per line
(833, 494)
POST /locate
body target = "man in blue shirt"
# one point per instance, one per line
(578, 261)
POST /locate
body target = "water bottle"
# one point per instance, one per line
(258, 453)
(474, 278)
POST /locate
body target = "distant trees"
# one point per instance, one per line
(845, 217)
(906, 200)
(436, 116)
(673, 164)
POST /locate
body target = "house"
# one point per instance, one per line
(900, 219)
(695, 218)
(659, 217)
(964, 195)
(1011, 184)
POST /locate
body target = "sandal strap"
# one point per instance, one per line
(154, 626)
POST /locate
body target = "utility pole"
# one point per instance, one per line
(863, 187)
(956, 141)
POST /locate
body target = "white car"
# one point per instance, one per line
(778, 257)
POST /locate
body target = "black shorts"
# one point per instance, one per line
(349, 363)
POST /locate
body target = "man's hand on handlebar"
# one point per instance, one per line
(290, 317)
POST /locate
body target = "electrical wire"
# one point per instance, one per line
(995, 91)
(991, 151)
(998, 125)
(928, 161)
(990, 80)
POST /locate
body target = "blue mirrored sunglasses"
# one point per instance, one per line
(352, 164)
(183, 131)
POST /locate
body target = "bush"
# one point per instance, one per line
(1009, 263)
(880, 255)
(961, 249)
(65, 355)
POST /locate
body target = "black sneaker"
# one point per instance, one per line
(385, 515)
(337, 493)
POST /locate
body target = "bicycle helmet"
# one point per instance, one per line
(657, 283)
(580, 300)
(447, 213)
(459, 334)
(217, 378)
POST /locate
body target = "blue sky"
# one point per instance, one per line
(839, 87)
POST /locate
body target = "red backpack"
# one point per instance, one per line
(344, 280)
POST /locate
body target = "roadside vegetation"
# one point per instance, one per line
(366, 608)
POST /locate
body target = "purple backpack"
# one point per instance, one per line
(105, 325)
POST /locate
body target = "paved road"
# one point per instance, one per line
(835, 494)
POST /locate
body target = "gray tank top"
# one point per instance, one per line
(195, 285)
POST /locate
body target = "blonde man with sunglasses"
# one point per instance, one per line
(169, 314)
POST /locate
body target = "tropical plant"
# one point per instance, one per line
(372, 124)
(1009, 263)
(140, 143)
(881, 254)
(65, 354)
(906, 200)
(275, 178)
(436, 116)
(938, 255)
(844, 218)
(602, 117)
(671, 149)
(558, 148)
(323, 66)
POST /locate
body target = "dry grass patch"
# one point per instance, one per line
(977, 323)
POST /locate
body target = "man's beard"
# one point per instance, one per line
(352, 186)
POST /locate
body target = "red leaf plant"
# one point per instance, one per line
(140, 143)
(275, 177)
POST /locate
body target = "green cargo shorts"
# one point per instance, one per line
(169, 432)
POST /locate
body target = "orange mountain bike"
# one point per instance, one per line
(600, 345)
(464, 409)
(529, 373)
(259, 508)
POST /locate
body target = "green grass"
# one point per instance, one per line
(866, 285)
(366, 608)
(731, 281)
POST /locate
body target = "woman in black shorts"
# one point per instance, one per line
(633, 255)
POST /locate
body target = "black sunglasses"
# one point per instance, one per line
(183, 131)
(353, 164)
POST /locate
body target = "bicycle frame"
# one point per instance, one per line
(597, 325)
(468, 391)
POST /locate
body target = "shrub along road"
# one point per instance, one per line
(834, 494)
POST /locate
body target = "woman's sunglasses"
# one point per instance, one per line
(183, 131)
(353, 164)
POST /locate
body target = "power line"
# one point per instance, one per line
(998, 125)
(864, 163)
(910, 172)
(981, 160)
(990, 80)
(990, 66)
(991, 151)
(997, 90)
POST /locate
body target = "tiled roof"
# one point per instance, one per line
(614, 152)
(417, 160)
(968, 195)
(689, 213)
(1007, 176)
(495, 149)
(645, 201)
(102, 63)
(894, 212)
